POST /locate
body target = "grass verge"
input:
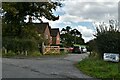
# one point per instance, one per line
(98, 68)
(11, 54)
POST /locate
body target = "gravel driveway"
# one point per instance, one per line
(43, 67)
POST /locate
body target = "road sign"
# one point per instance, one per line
(111, 57)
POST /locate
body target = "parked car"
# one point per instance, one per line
(76, 49)
(70, 49)
(79, 49)
(83, 49)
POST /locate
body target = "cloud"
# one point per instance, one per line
(66, 20)
(87, 34)
(82, 11)
(73, 18)
(97, 11)
(77, 11)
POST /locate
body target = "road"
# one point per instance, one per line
(43, 67)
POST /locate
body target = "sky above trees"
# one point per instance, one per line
(84, 15)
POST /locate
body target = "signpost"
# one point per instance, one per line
(111, 57)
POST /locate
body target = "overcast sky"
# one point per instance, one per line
(83, 15)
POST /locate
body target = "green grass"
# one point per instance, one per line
(11, 54)
(98, 68)
(35, 54)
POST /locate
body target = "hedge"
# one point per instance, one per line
(21, 45)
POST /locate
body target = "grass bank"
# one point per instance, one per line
(34, 54)
(98, 68)
(11, 54)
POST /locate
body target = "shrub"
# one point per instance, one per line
(107, 38)
(22, 45)
(9, 54)
(35, 54)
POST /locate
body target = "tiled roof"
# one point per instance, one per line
(41, 26)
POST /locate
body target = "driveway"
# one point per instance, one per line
(43, 67)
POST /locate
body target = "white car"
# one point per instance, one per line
(83, 49)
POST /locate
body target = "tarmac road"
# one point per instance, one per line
(43, 67)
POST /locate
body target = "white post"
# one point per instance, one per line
(26, 53)
(43, 48)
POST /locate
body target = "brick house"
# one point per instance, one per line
(52, 35)
(43, 29)
(55, 34)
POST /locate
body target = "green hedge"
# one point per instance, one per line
(108, 42)
(16, 44)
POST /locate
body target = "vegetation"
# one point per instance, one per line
(71, 36)
(95, 67)
(107, 39)
(11, 54)
(21, 37)
(16, 12)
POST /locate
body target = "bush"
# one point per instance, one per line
(9, 54)
(16, 44)
(35, 54)
(107, 38)
(108, 42)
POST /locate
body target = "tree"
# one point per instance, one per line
(108, 38)
(68, 29)
(71, 36)
(17, 12)
(16, 31)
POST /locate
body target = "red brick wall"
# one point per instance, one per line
(47, 35)
(58, 39)
(53, 40)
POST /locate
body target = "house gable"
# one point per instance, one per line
(58, 38)
(55, 35)
(43, 29)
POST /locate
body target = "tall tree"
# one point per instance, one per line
(68, 29)
(17, 33)
(70, 37)
(15, 13)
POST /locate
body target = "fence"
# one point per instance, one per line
(54, 49)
